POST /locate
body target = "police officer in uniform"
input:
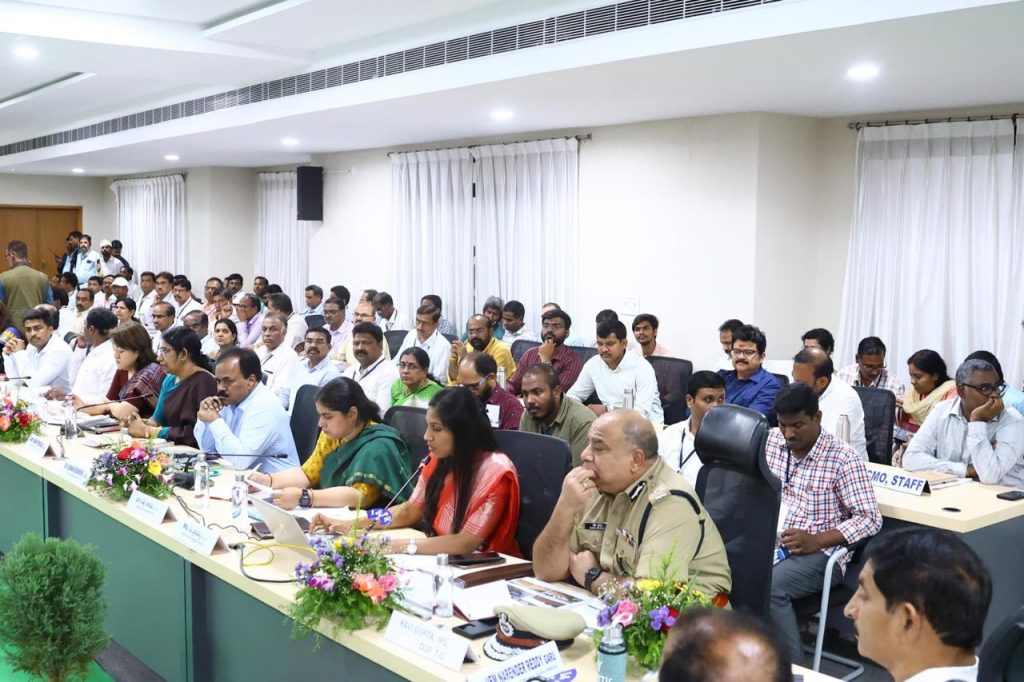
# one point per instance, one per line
(623, 512)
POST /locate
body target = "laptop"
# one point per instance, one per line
(284, 527)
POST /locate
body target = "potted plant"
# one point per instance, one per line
(51, 608)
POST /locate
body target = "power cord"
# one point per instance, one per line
(268, 548)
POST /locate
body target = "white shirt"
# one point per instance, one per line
(838, 399)
(947, 442)
(310, 376)
(633, 372)
(135, 293)
(189, 306)
(280, 366)
(92, 371)
(339, 336)
(158, 337)
(394, 323)
(146, 310)
(99, 300)
(436, 346)
(47, 366)
(966, 673)
(524, 334)
(296, 331)
(207, 345)
(676, 445)
(257, 425)
(72, 320)
(376, 380)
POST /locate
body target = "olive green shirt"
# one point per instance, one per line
(572, 424)
(610, 527)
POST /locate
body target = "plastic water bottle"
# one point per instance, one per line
(501, 377)
(611, 655)
(202, 485)
(239, 504)
(628, 398)
(70, 429)
(843, 428)
(444, 585)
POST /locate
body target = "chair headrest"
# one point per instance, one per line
(732, 435)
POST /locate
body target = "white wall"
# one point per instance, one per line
(221, 224)
(53, 190)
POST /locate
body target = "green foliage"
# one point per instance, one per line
(119, 472)
(17, 421)
(51, 609)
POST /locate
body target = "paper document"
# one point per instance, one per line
(479, 602)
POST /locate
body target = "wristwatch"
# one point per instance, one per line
(305, 500)
(411, 547)
(590, 576)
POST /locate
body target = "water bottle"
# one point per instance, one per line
(239, 504)
(501, 377)
(444, 585)
(843, 428)
(202, 485)
(628, 398)
(611, 655)
(70, 429)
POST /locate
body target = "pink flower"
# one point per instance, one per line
(133, 487)
(122, 471)
(369, 586)
(623, 619)
(625, 612)
(5, 423)
(388, 582)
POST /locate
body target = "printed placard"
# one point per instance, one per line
(198, 537)
(149, 509)
(901, 482)
(39, 447)
(439, 645)
(75, 473)
(544, 662)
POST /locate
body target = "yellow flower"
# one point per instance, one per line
(648, 584)
(154, 467)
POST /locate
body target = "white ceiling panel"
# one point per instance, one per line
(188, 11)
(14, 80)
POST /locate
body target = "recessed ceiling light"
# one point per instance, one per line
(862, 72)
(289, 142)
(77, 170)
(25, 52)
(171, 157)
(502, 114)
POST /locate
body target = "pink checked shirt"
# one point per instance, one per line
(829, 488)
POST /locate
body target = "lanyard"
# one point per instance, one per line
(789, 460)
(363, 375)
(684, 460)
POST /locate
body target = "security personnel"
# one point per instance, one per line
(623, 513)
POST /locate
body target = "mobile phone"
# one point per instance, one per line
(261, 531)
(475, 629)
(1011, 495)
(476, 559)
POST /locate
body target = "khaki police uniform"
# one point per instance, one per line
(633, 532)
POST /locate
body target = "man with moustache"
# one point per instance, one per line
(163, 283)
(111, 264)
(427, 336)
(185, 302)
(245, 417)
(371, 370)
(364, 312)
(147, 283)
(90, 264)
(555, 328)
(69, 261)
(316, 368)
(551, 413)
(478, 373)
(748, 384)
(163, 319)
(44, 360)
(277, 360)
(480, 339)
(677, 443)
(250, 319)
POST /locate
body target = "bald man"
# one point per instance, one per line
(623, 512)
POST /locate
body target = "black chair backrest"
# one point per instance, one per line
(304, 421)
(585, 352)
(69, 337)
(521, 346)
(395, 338)
(879, 421)
(1002, 652)
(411, 423)
(541, 463)
(673, 375)
(314, 321)
(783, 379)
(742, 496)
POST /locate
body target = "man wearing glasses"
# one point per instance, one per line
(250, 320)
(748, 384)
(870, 369)
(973, 435)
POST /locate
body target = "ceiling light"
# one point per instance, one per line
(25, 52)
(289, 142)
(502, 115)
(171, 157)
(77, 170)
(862, 72)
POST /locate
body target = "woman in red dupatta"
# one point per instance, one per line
(468, 493)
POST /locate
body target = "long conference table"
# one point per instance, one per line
(192, 617)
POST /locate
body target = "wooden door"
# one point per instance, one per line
(42, 228)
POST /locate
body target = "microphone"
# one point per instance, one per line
(119, 400)
(416, 471)
(18, 378)
(185, 479)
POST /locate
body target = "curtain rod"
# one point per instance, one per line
(579, 138)
(857, 125)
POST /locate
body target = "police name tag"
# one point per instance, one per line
(544, 662)
(37, 447)
(439, 645)
(900, 482)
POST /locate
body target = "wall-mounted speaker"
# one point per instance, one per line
(310, 190)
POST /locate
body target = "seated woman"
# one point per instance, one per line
(468, 493)
(930, 385)
(188, 382)
(415, 386)
(124, 311)
(358, 462)
(225, 335)
(138, 377)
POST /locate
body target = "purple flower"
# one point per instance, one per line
(660, 617)
(322, 581)
(604, 617)
(339, 561)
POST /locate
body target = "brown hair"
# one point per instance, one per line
(133, 336)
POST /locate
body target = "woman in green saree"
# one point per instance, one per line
(357, 462)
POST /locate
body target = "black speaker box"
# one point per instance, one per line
(310, 199)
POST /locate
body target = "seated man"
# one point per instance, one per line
(198, 322)
(314, 301)
(550, 412)
(827, 501)
(92, 365)
(479, 333)
(624, 512)
(512, 318)
(74, 321)
(613, 371)
(335, 323)
(371, 370)
(724, 646)
(163, 319)
(427, 336)
(346, 356)
(492, 310)
(555, 329)
(443, 325)
(478, 373)
(388, 317)
(973, 435)
(748, 384)
(676, 443)
(250, 319)
(185, 302)
(316, 369)
(1012, 397)
(819, 338)
(725, 332)
(813, 367)
(278, 362)
(572, 339)
(44, 361)
(296, 329)
(870, 369)
(920, 606)
(245, 418)
(645, 331)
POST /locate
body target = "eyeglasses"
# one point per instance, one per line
(164, 351)
(473, 386)
(317, 342)
(743, 353)
(871, 368)
(985, 389)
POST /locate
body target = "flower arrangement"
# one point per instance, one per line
(17, 422)
(646, 609)
(119, 473)
(352, 581)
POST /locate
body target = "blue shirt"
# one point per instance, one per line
(258, 426)
(756, 392)
(1013, 397)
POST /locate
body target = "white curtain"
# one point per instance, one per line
(432, 196)
(279, 234)
(526, 219)
(151, 222)
(936, 243)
